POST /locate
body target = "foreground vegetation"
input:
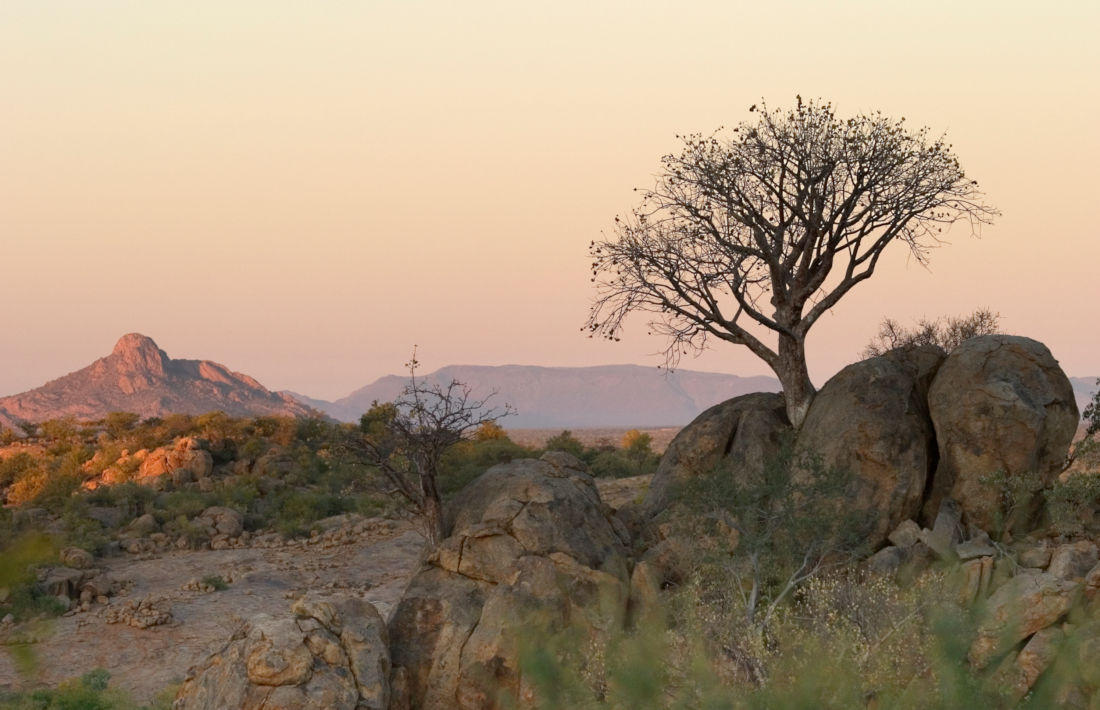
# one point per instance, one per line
(72, 484)
(778, 615)
(91, 691)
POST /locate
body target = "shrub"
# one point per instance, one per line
(82, 531)
(566, 442)
(216, 581)
(118, 424)
(195, 533)
(947, 333)
(1073, 503)
(133, 499)
(12, 467)
(771, 529)
(18, 559)
(467, 460)
(90, 692)
(1017, 495)
(295, 511)
(180, 504)
(59, 429)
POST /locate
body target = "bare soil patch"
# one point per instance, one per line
(371, 559)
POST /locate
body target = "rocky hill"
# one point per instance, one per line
(603, 396)
(6, 422)
(139, 377)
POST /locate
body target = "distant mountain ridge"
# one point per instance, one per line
(139, 377)
(599, 396)
(1083, 390)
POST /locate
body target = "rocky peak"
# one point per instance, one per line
(139, 377)
(139, 353)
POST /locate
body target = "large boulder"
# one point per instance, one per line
(531, 545)
(1000, 404)
(328, 654)
(219, 520)
(872, 421)
(1025, 604)
(742, 433)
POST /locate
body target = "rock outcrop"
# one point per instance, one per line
(187, 460)
(139, 377)
(327, 655)
(999, 404)
(742, 432)
(531, 545)
(871, 420)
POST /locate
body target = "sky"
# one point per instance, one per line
(305, 191)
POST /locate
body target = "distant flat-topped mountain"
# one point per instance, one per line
(604, 396)
(1083, 390)
(139, 377)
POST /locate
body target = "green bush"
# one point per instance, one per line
(467, 460)
(90, 692)
(13, 467)
(216, 581)
(1017, 499)
(19, 558)
(176, 504)
(1074, 502)
(774, 528)
(133, 499)
(566, 442)
(295, 511)
(613, 464)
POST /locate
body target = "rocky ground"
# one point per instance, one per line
(165, 618)
(372, 559)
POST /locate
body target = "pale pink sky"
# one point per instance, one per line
(302, 191)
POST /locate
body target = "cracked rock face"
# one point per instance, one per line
(330, 654)
(532, 546)
(999, 403)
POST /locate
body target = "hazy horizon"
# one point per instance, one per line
(302, 193)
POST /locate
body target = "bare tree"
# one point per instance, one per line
(770, 226)
(407, 438)
(948, 333)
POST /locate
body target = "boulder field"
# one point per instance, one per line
(913, 427)
(922, 433)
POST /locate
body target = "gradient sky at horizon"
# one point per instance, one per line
(302, 191)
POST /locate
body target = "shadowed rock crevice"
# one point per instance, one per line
(531, 542)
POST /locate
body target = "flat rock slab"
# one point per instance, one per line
(376, 567)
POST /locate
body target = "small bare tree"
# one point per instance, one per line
(768, 228)
(948, 333)
(407, 438)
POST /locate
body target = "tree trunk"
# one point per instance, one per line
(432, 510)
(798, 391)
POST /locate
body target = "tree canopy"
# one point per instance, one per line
(766, 227)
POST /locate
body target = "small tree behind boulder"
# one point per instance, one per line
(407, 438)
(947, 333)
